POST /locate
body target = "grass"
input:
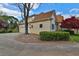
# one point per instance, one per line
(74, 38)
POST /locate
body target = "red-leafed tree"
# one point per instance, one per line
(70, 23)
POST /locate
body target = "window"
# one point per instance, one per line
(52, 26)
(41, 26)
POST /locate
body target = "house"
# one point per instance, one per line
(48, 21)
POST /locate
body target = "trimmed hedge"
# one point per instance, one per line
(71, 32)
(57, 36)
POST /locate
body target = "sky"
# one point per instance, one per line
(64, 9)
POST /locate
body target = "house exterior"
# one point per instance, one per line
(48, 21)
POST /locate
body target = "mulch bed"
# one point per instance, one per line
(30, 38)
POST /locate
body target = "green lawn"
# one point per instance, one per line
(74, 38)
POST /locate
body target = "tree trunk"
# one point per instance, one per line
(26, 15)
(26, 24)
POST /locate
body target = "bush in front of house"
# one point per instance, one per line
(71, 32)
(54, 36)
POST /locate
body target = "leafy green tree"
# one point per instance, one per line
(11, 21)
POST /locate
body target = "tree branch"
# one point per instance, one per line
(21, 10)
(28, 6)
(31, 6)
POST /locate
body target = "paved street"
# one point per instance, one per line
(11, 47)
(8, 44)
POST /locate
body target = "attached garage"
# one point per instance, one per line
(22, 28)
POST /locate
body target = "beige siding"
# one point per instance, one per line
(36, 27)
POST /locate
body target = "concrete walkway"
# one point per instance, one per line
(11, 47)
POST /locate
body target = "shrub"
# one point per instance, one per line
(71, 32)
(49, 36)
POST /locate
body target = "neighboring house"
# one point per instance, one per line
(48, 21)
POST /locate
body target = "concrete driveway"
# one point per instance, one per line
(11, 47)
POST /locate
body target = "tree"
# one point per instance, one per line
(3, 24)
(70, 23)
(9, 23)
(25, 9)
(13, 22)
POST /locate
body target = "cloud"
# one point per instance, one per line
(36, 5)
(1, 5)
(74, 10)
(31, 12)
(68, 15)
(6, 4)
(15, 13)
(9, 12)
(59, 12)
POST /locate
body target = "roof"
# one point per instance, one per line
(59, 18)
(45, 16)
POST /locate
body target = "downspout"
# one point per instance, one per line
(55, 19)
(50, 24)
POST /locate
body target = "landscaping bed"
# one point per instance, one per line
(34, 39)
